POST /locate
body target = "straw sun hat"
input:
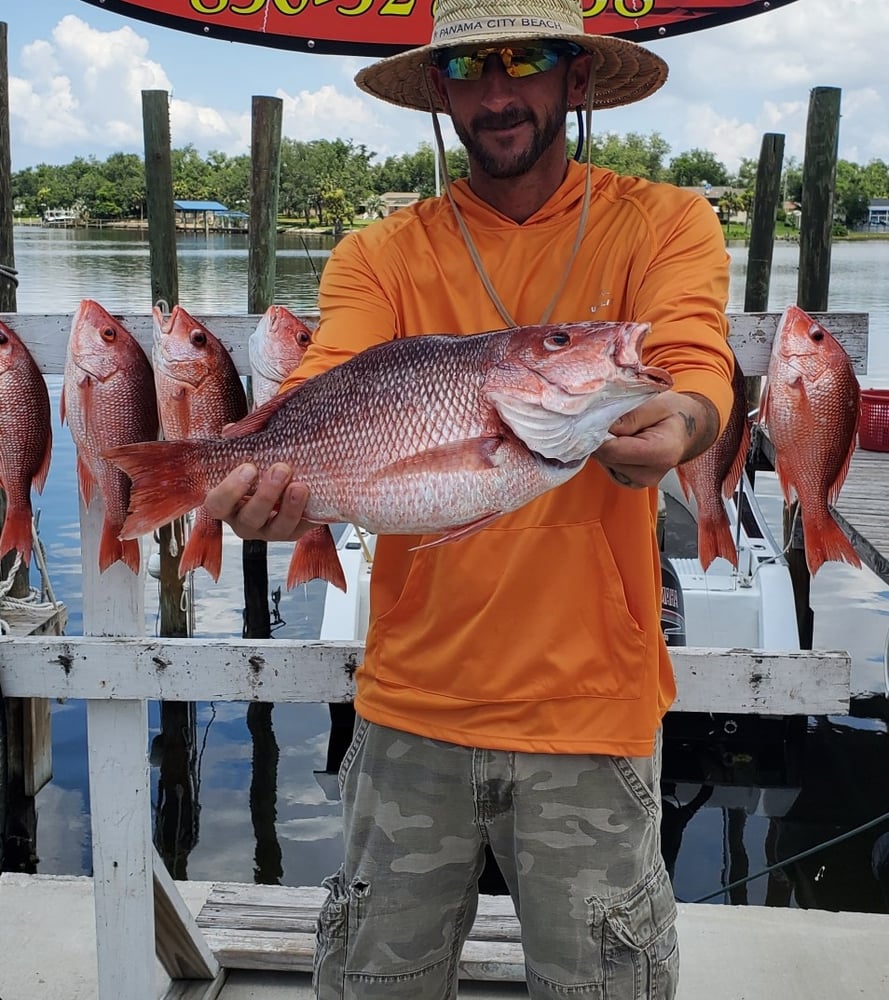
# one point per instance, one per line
(624, 72)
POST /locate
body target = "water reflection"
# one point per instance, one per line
(244, 793)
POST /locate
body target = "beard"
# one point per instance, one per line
(502, 164)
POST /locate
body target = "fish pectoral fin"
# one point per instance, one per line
(469, 455)
(461, 531)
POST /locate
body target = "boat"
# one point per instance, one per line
(63, 217)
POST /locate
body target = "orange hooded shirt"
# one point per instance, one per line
(540, 633)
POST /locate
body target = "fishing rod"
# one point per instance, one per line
(791, 860)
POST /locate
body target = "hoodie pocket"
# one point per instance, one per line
(514, 615)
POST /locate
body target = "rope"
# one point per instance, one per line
(33, 602)
(9, 273)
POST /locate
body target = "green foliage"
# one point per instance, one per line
(336, 183)
(697, 167)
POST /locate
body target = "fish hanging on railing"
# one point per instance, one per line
(108, 400)
(275, 349)
(25, 440)
(199, 391)
(810, 407)
(715, 474)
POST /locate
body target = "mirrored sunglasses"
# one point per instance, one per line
(518, 60)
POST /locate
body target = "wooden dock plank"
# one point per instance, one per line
(272, 928)
(863, 509)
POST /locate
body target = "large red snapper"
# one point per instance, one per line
(108, 400)
(811, 407)
(714, 474)
(428, 434)
(198, 393)
(275, 349)
(25, 439)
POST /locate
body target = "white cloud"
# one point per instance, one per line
(78, 89)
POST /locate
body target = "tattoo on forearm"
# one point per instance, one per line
(691, 425)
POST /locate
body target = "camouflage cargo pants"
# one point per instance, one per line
(577, 840)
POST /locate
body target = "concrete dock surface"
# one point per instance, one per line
(728, 952)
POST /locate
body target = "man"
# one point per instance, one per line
(514, 681)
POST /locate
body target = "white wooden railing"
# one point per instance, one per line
(118, 670)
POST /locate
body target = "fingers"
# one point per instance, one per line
(267, 507)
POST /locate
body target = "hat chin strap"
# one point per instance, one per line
(467, 237)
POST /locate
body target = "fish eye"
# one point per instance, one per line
(3, 338)
(817, 335)
(108, 334)
(303, 338)
(555, 341)
(198, 338)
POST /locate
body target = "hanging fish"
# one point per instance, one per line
(199, 391)
(25, 440)
(108, 400)
(811, 407)
(715, 474)
(275, 349)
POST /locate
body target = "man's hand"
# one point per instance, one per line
(268, 507)
(663, 432)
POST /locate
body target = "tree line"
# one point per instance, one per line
(330, 182)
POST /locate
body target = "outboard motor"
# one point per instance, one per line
(672, 605)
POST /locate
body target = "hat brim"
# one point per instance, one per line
(624, 72)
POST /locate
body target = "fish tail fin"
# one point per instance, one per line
(113, 549)
(825, 541)
(204, 546)
(315, 558)
(16, 534)
(715, 539)
(167, 481)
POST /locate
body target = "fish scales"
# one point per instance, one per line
(811, 409)
(25, 439)
(425, 434)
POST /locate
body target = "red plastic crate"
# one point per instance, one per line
(873, 427)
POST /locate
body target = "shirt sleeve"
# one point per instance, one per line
(683, 294)
(355, 314)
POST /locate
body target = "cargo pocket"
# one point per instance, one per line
(331, 938)
(640, 953)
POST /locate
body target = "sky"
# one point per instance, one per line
(77, 73)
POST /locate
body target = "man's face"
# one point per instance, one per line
(507, 123)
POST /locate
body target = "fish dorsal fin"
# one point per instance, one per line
(39, 479)
(734, 473)
(833, 493)
(258, 419)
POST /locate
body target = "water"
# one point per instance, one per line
(768, 796)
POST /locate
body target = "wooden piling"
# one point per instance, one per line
(819, 181)
(164, 288)
(816, 230)
(762, 236)
(176, 823)
(7, 252)
(265, 159)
